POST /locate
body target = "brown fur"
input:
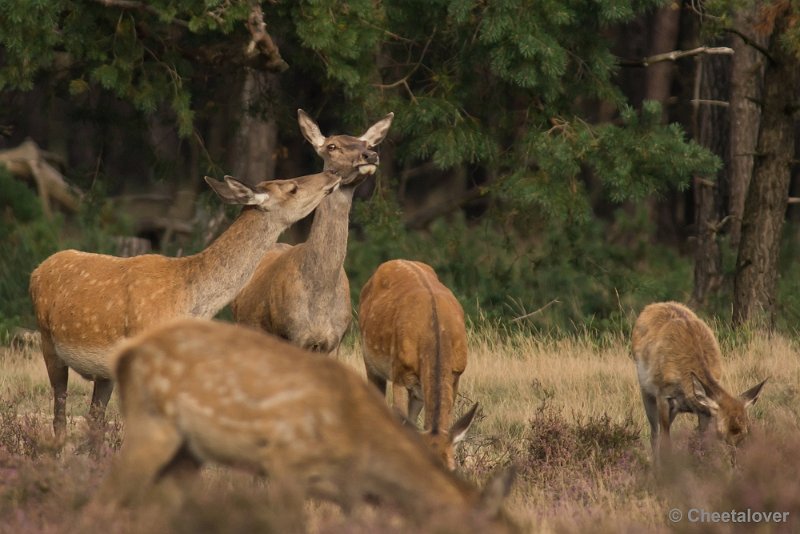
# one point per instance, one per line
(197, 391)
(301, 293)
(85, 303)
(413, 334)
(679, 366)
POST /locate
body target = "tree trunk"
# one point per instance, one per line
(258, 132)
(665, 37)
(747, 76)
(710, 122)
(755, 286)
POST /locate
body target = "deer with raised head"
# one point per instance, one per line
(197, 391)
(301, 293)
(85, 303)
(679, 365)
(413, 334)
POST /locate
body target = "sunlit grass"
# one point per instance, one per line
(536, 394)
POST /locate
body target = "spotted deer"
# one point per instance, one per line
(301, 293)
(678, 362)
(413, 334)
(197, 391)
(85, 303)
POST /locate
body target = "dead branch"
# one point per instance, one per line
(794, 200)
(675, 55)
(534, 312)
(719, 103)
(261, 43)
(31, 162)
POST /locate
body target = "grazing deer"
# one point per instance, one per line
(679, 366)
(85, 303)
(413, 334)
(301, 293)
(196, 391)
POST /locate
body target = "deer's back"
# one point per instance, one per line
(240, 397)
(396, 316)
(87, 302)
(669, 342)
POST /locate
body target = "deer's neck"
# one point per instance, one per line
(217, 274)
(326, 246)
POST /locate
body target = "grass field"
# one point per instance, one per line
(565, 412)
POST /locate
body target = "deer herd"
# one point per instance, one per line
(194, 390)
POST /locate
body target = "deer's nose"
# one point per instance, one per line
(371, 157)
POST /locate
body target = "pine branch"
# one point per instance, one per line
(140, 6)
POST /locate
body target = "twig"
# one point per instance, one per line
(404, 79)
(750, 42)
(534, 312)
(720, 103)
(675, 55)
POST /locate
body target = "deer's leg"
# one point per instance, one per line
(100, 396)
(665, 417)
(651, 410)
(414, 406)
(151, 445)
(378, 381)
(175, 477)
(58, 372)
(400, 398)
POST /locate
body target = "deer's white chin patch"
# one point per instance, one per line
(367, 169)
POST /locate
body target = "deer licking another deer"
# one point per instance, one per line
(678, 362)
(301, 293)
(197, 391)
(413, 334)
(85, 303)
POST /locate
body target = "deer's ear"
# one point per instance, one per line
(377, 132)
(232, 191)
(310, 129)
(751, 395)
(460, 428)
(702, 397)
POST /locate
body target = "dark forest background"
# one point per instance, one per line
(560, 164)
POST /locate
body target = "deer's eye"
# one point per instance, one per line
(332, 147)
(293, 189)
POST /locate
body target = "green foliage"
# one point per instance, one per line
(580, 278)
(26, 238)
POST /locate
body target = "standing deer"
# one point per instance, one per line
(413, 334)
(85, 303)
(301, 293)
(679, 366)
(196, 391)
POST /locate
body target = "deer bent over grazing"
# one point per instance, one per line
(678, 362)
(85, 303)
(413, 334)
(301, 293)
(197, 391)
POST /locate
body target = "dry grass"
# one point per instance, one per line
(567, 413)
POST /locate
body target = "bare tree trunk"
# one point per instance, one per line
(755, 286)
(710, 130)
(257, 137)
(665, 32)
(747, 76)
